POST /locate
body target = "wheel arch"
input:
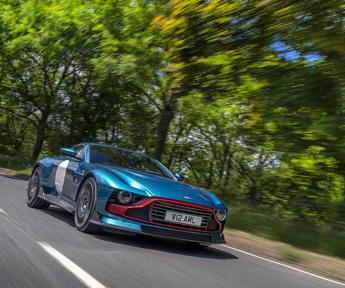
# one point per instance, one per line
(87, 176)
(37, 165)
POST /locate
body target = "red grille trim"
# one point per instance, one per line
(121, 210)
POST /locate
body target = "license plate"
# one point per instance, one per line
(176, 217)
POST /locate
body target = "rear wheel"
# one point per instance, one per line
(85, 207)
(33, 189)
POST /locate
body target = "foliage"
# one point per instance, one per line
(298, 233)
(247, 98)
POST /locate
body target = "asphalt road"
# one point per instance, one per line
(43, 249)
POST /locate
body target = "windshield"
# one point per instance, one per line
(127, 159)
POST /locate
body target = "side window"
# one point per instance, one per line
(80, 152)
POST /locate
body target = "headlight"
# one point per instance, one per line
(221, 215)
(124, 197)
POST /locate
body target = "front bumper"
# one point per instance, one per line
(127, 225)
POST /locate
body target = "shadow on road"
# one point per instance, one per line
(168, 246)
(60, 214)
(146, 242)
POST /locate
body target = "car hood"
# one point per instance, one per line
(162, 187)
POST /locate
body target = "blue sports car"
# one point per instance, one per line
(112, 188)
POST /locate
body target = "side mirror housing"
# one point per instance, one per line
(179, 176)
(71, 152)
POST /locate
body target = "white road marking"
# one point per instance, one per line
(81, 274)
(284, 265)
(3, 212)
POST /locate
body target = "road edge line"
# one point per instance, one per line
(3, 212)
(284, 265)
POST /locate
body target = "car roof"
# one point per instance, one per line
(113, 146)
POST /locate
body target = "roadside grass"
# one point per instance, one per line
(17, 166)
(291, 255)
(264, 224)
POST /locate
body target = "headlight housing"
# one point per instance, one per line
(124, 197)
(221, 215)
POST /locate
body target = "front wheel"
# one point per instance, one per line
(85, 207)
(32, 191)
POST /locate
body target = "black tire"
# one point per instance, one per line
(85, 208)
(32, 199)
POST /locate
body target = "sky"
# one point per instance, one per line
(290, 54)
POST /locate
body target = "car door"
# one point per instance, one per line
(75, 170)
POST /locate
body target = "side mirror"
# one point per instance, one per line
(179, 176)
(71, 152)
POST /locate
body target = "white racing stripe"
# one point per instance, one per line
(60, 175)
(81, 274)
(284, 265)
(3, 212)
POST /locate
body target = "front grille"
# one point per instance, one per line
(142, 213)
(158, 211)
(180, 235)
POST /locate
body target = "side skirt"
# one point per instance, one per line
(57, 201)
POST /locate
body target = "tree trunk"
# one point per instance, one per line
(228, 171)
(253, 194)
(173, 149)
(40, 137)
(20, 137)
(166, 116)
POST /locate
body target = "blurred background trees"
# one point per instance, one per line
(245, 97)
